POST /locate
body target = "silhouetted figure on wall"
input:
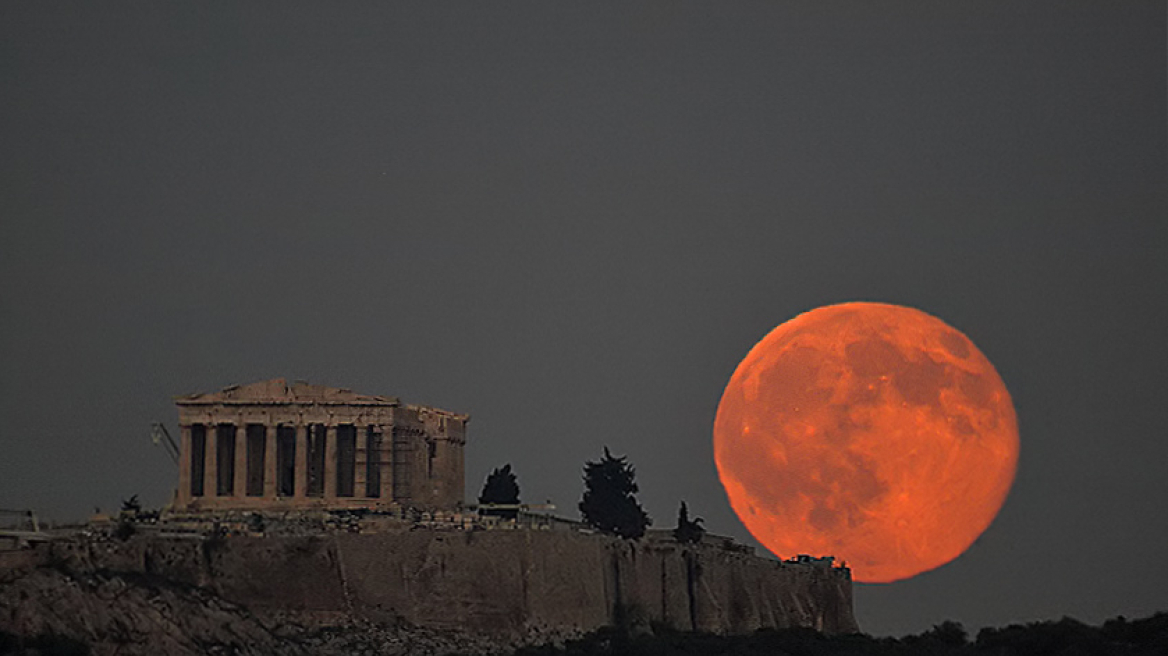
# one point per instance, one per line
(687, 531)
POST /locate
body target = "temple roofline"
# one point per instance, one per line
(277, 392)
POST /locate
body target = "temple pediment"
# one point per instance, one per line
(278, 391)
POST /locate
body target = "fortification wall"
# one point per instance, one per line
(516, 585)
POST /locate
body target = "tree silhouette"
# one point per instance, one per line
(608, 504)
(687, 531)
(131, 505)
(500, 487)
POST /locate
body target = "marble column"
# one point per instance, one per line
(330, 462)
(240, 489)
(301, 482)
(211, 462)
(385, 462)
(270, 433)
(183, 496)
(361, 455)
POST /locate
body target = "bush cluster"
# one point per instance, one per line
(1066, 637)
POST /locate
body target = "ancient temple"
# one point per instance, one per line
(277, 446)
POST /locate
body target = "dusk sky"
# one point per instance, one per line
(572, 221)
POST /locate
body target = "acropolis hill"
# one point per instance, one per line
(327, 506)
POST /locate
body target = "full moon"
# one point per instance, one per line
(875, 433)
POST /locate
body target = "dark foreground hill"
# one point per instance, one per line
(1066, 637)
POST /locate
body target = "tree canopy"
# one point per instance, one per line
(501, 487)
(609, 502)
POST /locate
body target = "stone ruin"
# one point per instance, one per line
(271, 446)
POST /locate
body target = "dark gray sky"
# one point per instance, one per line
(572, 222)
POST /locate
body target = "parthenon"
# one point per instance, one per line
(274, 446)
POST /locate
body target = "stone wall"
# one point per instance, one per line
(516, 585)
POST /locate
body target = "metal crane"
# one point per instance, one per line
(160, 436)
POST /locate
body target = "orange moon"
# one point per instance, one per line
(875, 433)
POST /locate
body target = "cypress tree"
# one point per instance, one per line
(609, 504)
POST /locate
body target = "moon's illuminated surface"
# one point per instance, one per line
(874, 433)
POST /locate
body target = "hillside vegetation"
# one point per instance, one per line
(1065, 637)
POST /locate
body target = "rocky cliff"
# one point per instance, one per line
(513, 586)
(49, 610)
